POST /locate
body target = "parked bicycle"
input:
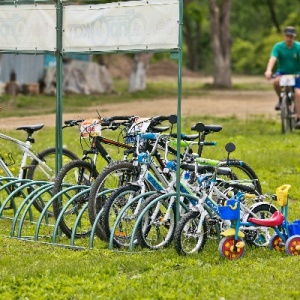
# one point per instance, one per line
(40, 168)
(83, 172)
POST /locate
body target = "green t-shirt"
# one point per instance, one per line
(288, 59)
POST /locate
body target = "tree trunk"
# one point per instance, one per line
(221, 41)
(192, 33)
(137, 80)
(192, 38)
(274, 18)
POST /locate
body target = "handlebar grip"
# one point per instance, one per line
(104, 123)
(233, 163)
(209, 143)
(171, 118)
(73, 122)
(149, 136)
(115, 118)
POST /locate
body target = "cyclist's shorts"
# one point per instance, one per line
(297, 79)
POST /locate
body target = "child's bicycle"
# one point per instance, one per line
(286, 235)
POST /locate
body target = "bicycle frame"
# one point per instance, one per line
(25, 148)
(238, 224)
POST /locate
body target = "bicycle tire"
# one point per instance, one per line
(49, 157)
(115, 175)
(291, 114)
(84, 174)
(285, 114)
(244, 171)
(262, 237)
(118, 199)
(163, 233)
(186, 238)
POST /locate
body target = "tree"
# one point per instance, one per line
(221, 41)
(192, 21)
(137, 80)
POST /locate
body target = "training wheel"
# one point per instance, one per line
(276, 243)
(292, 246)
(231, 249)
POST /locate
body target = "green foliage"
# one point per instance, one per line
(242, 53)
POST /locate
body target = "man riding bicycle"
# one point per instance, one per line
(287, 56)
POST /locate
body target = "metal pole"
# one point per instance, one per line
(179, 86)
(59, 100)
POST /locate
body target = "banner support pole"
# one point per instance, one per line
(179, 90)
(59, 87)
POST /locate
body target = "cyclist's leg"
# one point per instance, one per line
(277, 88)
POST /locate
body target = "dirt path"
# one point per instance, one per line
(242, 104)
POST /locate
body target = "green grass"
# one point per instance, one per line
(33, 270)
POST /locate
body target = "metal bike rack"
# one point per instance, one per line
(128, 204)
(19, 189)
(92, 233)
(32, 198)
(61, 215)
(141, 215)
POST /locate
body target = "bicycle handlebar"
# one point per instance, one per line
(158, 119)
(71, 123)
(115, 118)
(230, 163)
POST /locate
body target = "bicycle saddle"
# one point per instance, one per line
(31, 128)
(241, 186)
(276, 219)
(208, 128)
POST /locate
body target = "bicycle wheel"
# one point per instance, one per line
(157, 226)
(231, 249)
(292, 245)
(113, 176)
(73, 175)
(35, 173)
(287, 115)
(244, 172)
(291, 113)
(276, 243)
(118, 199)
(262, 235)
(190, 237)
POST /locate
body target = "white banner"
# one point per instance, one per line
(28, 27)
(134, 25)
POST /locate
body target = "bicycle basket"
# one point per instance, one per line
(90, 128)
(294, 228)
(229, 211)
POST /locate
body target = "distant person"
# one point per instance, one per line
(287, 56)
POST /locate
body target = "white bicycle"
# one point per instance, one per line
(40, 168)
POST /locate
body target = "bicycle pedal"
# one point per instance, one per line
(212, 222)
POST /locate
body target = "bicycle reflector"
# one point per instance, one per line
(90, 128)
